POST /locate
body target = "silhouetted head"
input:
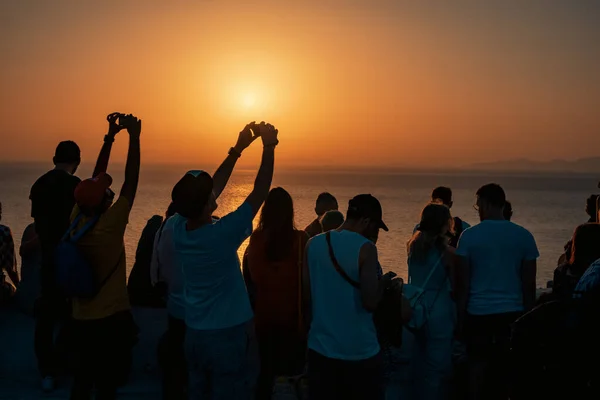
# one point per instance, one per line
(365, 216)
(277, 222)
(585, 249)
(332, 220)
(590, 206)
(325, 202)
(444, 194)
(508, 212)
(67, 156)
(278, 211)
(94, 196)
(0, 211)
(490, 202)
(193, 196)
(436, 222)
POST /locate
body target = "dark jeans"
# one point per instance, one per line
(488, 352)
(51, 312)
(329, 378)
(103, 355)
(282, 353)
(171, 357)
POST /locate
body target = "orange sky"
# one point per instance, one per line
(381, 83)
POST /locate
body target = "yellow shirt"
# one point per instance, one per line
(103, 246)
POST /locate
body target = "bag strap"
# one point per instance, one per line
(337, 266)
(65, 237)
(435, 267)
(80, 233)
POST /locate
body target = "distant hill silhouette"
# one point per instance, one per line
(582, 165)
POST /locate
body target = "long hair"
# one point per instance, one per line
(277, 223)
(586, 246)
(429, 235)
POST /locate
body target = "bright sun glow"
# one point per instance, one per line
(249, 100)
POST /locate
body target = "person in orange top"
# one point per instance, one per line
(272, 270)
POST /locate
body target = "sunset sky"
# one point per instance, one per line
(377, 83)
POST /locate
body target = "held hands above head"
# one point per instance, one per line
(251, 132)
(118, 121)
(268, 133)
(113, 126)
(246, 137)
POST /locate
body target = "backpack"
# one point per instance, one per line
(391, 313)
(73, 273)
(458, 230)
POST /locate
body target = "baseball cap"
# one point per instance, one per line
(191, 193)
(367, 206)
(90, 193)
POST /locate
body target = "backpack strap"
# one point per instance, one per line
(432, 271)
(80, 233)
(73, 225)
(337, 266)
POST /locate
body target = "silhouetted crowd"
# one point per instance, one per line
(307, 314)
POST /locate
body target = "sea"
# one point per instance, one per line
(548, 205)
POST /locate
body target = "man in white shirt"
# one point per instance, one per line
(496, 274)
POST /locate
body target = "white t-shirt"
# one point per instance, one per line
(214, 288)
(496, 250)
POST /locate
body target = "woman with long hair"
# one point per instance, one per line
(429, 267)
(272, 270)
(585, 250)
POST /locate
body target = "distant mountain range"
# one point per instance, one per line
(582, 165)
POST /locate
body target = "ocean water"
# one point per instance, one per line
(549, 206)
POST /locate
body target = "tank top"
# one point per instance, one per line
(341, 328)
(438, 288)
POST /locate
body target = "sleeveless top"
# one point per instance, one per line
(438, 288)
(277, 284)
(341, 328)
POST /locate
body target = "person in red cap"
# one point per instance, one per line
(104, 326)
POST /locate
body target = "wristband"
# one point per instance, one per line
(109, 139)
(234, 152)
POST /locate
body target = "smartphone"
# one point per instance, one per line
(123, 119)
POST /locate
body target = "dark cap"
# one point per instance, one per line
(191, 193)
(67, 153)
(367, 206)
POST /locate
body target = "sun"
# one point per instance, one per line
(248, 100)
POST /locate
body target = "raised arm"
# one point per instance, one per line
(223, 173)
(132, 166)
(262, 184)
(104, 156)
